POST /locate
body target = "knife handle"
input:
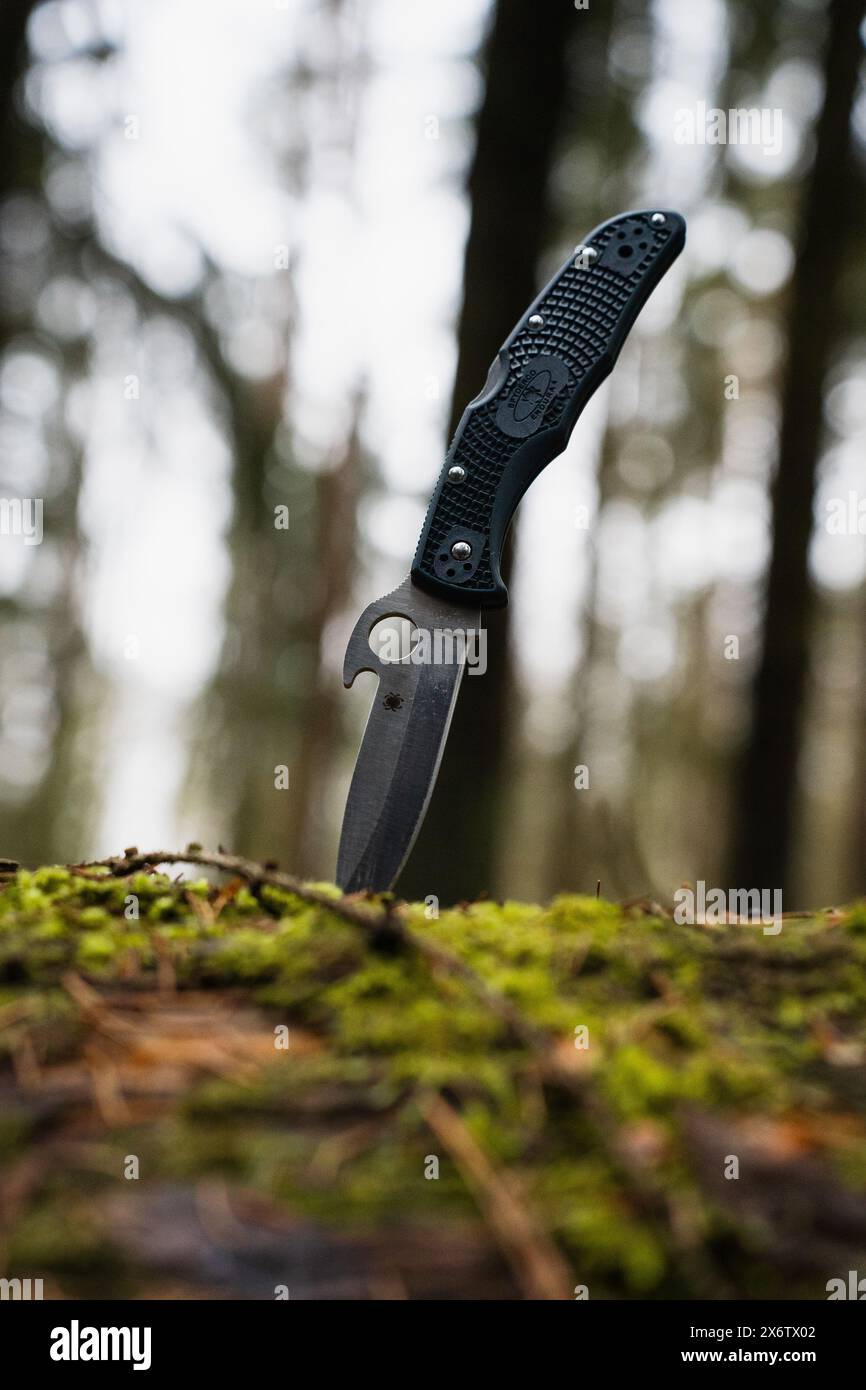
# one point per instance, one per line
(545, 372)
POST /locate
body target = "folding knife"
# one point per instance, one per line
(564, 346)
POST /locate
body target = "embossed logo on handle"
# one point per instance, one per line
(524, 408)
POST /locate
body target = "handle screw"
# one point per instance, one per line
(461, 550)
(456, 474)
(658, 219)
(536, 321)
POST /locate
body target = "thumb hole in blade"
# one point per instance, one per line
(394, 639)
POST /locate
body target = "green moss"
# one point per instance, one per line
(64, 1239)
(680, 1020)
(855, 920)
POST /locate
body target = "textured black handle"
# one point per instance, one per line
(544, 374)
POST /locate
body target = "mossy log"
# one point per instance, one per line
(256, 1089)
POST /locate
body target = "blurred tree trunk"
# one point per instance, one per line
(854, 881)
(517, 127)
(271, 706)
(14, 15)
(42, 620)
(337, 492)
(581, 828)
(766, 802)
(242, 716)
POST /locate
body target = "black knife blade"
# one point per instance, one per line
(564, 346)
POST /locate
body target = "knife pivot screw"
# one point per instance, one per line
(536, 321)
(456, 474)
(658, 219)
(461, 550)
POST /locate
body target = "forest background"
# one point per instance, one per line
(255, 259)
